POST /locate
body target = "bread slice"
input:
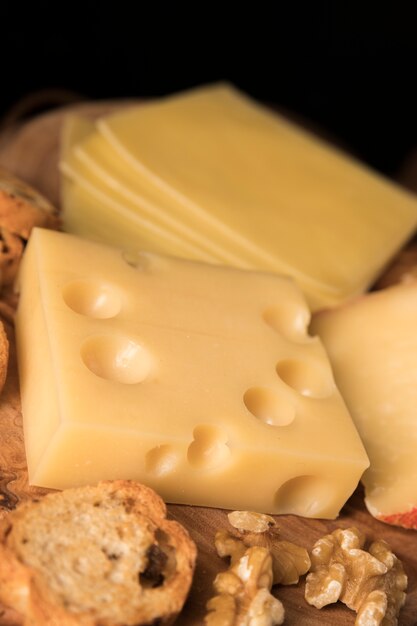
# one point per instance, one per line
(95, 556)
(21, 209)
(4, 356)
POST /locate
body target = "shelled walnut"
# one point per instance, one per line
(258, 560)
(289, 561)
(372, 582)
(243, 593)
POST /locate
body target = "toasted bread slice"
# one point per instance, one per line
(95, 556)
(4, 355)
(21, 208)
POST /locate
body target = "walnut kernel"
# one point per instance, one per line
(243, 593)
(289, 560)
(370, 582)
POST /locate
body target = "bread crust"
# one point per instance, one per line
(25, 588)
(21, 209)
(4, 356)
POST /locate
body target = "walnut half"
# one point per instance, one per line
(372, 582)
(289, 561)
(243, 593)
(258, 560)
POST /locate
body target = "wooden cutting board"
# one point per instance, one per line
(31, 152)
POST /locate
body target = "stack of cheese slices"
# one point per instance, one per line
(212, 176)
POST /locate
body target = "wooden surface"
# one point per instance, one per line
(31, 152)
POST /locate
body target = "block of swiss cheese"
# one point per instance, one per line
(197, 380)
(372, 344)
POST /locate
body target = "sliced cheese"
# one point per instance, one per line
(372, 344)
(198, 380)
(114, 175)
(96, 181)
(76, 164)
(269, 184)
(74, 130)
(88, 211)
(94, 162)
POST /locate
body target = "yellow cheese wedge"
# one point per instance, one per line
(198, 380)
(372, 345)
(253, 173)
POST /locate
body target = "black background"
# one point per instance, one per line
(348, 71)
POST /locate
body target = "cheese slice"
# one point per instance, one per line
(96, 182)
(198, 380)
(93, 161)
(102, 164)
(372, 344)
(88, 211)
(74, 130)
(255, 174)
(144, 206)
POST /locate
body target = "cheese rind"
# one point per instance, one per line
(372, 344)
(198, 380)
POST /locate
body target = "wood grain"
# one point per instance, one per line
(31, 152)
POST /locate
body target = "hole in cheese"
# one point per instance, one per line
(209, 449)
(93, 299)
(268, 406)
(161, 460)
(117, 358)
(143, 261)
(290, 320)
(307, 377)
(303, 495)
(135, 259)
